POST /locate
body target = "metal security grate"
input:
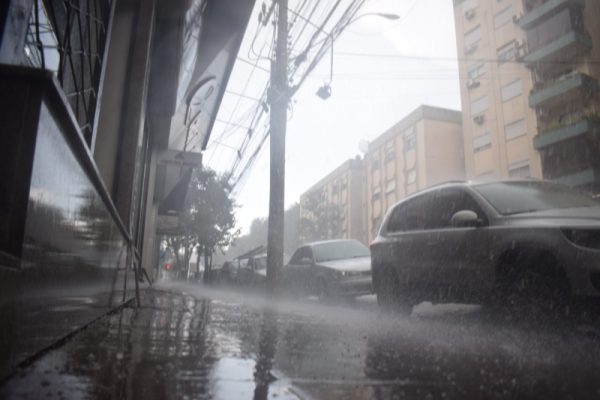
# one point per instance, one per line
(69, 37)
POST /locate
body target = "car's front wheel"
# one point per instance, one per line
(538, 293)
(323, 289)
(388, 292)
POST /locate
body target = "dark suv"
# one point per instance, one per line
(514, 241)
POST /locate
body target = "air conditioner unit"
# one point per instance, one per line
(472, 84)
(517, 17)
(520, 53)
(470, 13)
(470, 48)
(479, 119)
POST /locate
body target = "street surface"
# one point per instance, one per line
(192, 342)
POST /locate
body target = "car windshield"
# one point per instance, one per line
(520, 197)
(340, 250)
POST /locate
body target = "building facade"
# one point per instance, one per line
(333, 208)
(423, 149)
(498, 124)
(563, 49)
(94, 150)
(529, 89)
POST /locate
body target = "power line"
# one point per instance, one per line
(253, 64)
(454, 59)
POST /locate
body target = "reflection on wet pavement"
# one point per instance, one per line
(213, 344)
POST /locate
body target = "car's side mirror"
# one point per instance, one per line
(465, 218)
(306, 261)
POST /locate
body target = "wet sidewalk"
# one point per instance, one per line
(173, 347)
(193, 342)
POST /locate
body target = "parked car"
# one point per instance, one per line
(519, 242)
(329, 268)
(254, 271)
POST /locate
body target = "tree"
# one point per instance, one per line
(257, 234)
(207, 221)
(319, 220)
(212, 214)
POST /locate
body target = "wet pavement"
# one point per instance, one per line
(191, 342)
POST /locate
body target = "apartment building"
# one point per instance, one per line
(423, 149)
(499, 126)
(334, 207)
(563, 49)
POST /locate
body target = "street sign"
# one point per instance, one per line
(178, 158)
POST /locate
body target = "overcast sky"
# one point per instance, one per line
(416, 65)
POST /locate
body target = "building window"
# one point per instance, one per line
(503, 17)
(475, 71)
(390, 154)
(512, 90)
(410, 141)
(473, 36)
(506, 53)
(411, 176)
(375, 164)
(69, 39)
(482, 142)
(376, 194)
(480, 105)
(515, 129)
(335, 186)
(519, 169)
(469, 5)
(390, 186)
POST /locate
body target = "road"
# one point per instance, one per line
(189, 342)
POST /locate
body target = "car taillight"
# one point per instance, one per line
(589, 238)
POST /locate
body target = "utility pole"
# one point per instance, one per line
(278, 98)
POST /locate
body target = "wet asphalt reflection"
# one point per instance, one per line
(192, 342)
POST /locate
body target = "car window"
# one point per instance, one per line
(446, 203)
(410, 215)
(301, 253)
(340, 250)
(521, 197)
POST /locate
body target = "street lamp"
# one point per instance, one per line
(389, 16)
(324, 92)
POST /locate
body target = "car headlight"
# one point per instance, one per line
(353, 273)
(589, 238)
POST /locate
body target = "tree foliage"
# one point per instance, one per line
(208, 221)
(257, 234)
(320, 220)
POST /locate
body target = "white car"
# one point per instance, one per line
(330, 268)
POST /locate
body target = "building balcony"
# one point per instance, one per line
(567, 47)
(546, 10)
(566, 132)
(584, 177)
(563, 90)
